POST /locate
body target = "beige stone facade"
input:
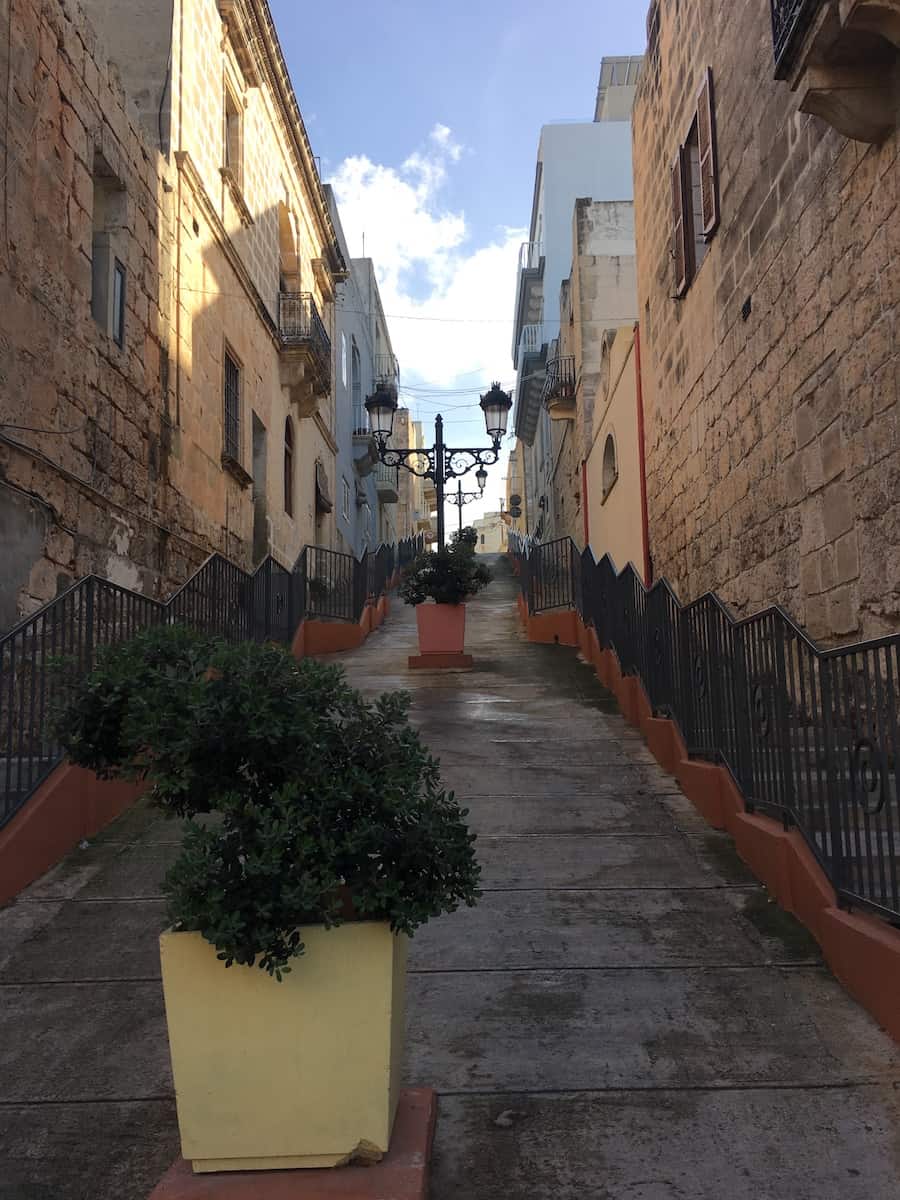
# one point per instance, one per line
(771, 387)
(168, 258)
(87, 426)
(613, 468)
(598, 296)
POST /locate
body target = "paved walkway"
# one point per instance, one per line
(623, 1016)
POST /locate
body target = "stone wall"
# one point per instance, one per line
(771, 388)
(86, 429)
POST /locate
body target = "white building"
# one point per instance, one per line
(574, 160)
(492, 534)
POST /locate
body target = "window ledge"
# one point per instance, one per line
(237, 196)
(233, 467)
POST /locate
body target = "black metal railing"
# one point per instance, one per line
(301, 327)
(810, 734)
(387, 369)
(560, 381)
(790, 20)
(220, 598)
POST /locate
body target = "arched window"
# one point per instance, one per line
(289, 467)
(610, 465)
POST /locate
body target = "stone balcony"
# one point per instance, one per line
(305, 362)
(842, 57)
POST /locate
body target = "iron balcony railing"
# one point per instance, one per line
(560, 381)
(811, 735)
(301, 327)
(361, 427)
(387, 369)
(530, 255)
(220, 598)
(532, 340)
(790, 21)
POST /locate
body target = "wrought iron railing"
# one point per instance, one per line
(560, 381)
(387, 369)
(810, 734)
(300, 326)
(790, 20)
(220, 598)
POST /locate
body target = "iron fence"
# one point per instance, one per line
(811, 735)
(219, 599)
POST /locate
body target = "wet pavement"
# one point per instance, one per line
(622, 1017)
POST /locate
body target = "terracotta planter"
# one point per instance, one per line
(442, 628)
(302, 1073)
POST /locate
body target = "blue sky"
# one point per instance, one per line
(426, 118)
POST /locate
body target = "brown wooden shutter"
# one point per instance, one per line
(709, 166)
(681, 248)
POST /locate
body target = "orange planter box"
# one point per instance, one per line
(442, 628)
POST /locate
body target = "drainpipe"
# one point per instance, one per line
(645, 527)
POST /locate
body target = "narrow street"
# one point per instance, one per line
(622, 1017)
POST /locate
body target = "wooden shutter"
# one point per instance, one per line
(681, 247)
(709, 166)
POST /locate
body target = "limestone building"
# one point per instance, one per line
(767, 223)
(168, 321)
(89, 432)
(593, 412)
(575, 159)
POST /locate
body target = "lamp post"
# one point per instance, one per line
(439, 463)
(462, 497)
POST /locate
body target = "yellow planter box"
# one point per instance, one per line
(302, 1073)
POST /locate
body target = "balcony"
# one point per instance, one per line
(842, 58)
(531, 359)
(529, 291)
(386, 484)
(305, 362)
(387, 371)
(559, 387)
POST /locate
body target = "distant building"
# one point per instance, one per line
(767, 218)
(492, 533)
(587, 159)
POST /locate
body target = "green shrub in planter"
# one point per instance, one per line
(445, 576)
(327, 802)
(467, 537)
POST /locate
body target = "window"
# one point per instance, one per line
(118, 306)
(343, 357)
(109, 235)
(695, 191)
(289, 467)
(233, 136)
(360, 417)
(482, 539)
(610, 466)
(232, 389)
(345, 501)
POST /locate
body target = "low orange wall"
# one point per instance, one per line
(70, 805)
(861, 950)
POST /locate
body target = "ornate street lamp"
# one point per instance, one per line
(462, 497)
(440, 463)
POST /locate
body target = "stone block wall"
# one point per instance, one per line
(86, 430)
(771, 389)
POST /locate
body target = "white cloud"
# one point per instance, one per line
(430, 267)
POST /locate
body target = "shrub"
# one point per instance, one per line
(445, 576)
(467, 536)
(324, 799)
